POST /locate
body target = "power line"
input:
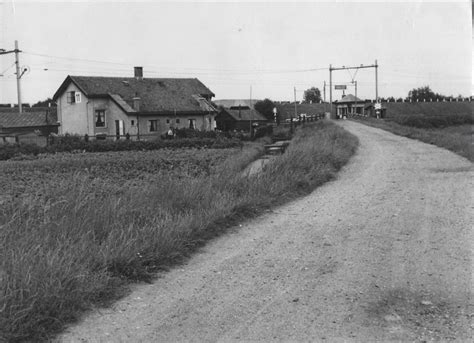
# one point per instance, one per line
(231, 71)
(3, 72)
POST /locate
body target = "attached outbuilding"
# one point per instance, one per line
(31, 126)
(240, 118)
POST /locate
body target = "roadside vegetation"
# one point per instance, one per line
(450, 131)
(75, 229)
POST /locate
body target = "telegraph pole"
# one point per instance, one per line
(376, 82)
(18, 74)
(324, 91)
(330, 90)
(250, 112)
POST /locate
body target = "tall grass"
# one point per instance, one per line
(456, 138)
(65, 251)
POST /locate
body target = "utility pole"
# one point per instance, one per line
(324, 91)
(296, 108)
(250, 112)
(330, 90)
(376, 82)
(18, 74)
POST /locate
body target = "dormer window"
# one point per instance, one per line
(73, 97)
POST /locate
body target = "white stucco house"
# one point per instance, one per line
(115, 106)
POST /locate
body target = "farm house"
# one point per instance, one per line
(137, 106)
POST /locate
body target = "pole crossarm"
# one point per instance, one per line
(359, 67)
(3, 52)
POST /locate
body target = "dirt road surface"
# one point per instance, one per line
(383, 253)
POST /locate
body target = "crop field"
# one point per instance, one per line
(75, 229)
(106, 171)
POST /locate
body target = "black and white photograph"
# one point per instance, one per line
(236, 171)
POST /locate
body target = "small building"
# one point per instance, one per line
(241, 118)
(31, 126)
(137, 106)
(349, 105)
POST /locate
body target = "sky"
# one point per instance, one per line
(241, 49)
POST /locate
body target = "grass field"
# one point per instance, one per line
(456, 138)
(76, 229)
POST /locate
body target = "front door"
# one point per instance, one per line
(119, 128)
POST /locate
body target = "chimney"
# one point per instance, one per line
(136, 103)
(138, 73)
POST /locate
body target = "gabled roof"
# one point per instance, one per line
(28, 119)
(349, 98)
(157, 95)
(246, 114)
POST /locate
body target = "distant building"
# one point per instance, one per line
(349, 105)
(31, 126)
(115, 106)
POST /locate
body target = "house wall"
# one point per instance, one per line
(79, 118)
(112, 113)
(73, 117)
(165, 122)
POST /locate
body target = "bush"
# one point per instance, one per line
(77, 143)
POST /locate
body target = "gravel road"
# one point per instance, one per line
(382, 253)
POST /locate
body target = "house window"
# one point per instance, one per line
(177, 120)
(167, 121)
(192, 123)
(71, 97)
(133, 122)
(99, 118)
(77, 97)
(153, 125)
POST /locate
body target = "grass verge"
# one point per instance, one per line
(457, 139)
(74, 247)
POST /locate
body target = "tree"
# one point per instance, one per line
(312, 95)
(45, 103)
(265, 107)
(424, 94)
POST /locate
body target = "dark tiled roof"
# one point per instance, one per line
(349, 98)
(156, 95)
(245, 114)
(28, 119)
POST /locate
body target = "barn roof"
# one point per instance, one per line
(246, 114)
(28, 119)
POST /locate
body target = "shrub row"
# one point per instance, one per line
(76, 143)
